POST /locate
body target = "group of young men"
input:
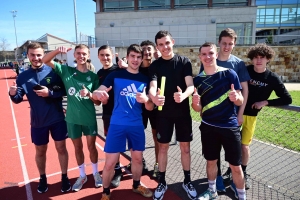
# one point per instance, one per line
(130, 95)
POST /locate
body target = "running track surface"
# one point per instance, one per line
(18, 173)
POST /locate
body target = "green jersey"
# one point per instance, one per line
(81, 110)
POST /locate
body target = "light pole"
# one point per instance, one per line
(75, 17)
(14, 14)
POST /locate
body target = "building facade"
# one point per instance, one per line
(191, 23)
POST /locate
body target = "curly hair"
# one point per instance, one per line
(261, 49)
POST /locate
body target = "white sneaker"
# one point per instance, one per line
(160, 191)
(79, 183)
(190, 190)
(98, 180)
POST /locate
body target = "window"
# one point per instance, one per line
(154, 4)
(243, 31)
(190, 3)
(218, 3)
(115, 5)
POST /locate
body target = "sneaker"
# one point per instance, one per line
(116, 180)
(98, 180)
(190, 190)
(247, 181)
(143, 191)
(160, 191)
(65, 185)
(208, 194)
(155, 171)
(220, 184)
(79, 183)
(233, 188)
(227, 176)
(43, 186)
(105, 197)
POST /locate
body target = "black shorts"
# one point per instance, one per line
(151, 115)
(213, 138)
(106, 122)
(183, 129)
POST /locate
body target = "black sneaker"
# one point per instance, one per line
(247, 181)
(116, 180)
(43, 186)
(65, 185)
(227, 176)
(190, 190)
(160, 191)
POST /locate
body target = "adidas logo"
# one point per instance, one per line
(130, 91)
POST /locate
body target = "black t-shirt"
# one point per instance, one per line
(102, 74)
(260, 88)
(175, 70)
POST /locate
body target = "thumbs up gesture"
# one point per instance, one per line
(196, 97)
(13, 89)
(179, 96)
(141, 97)
(158, 100)
(233, 95)
(84, 92)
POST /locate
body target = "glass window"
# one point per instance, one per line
(115, 5)
(243, 31)
(154, 4)
(190, 3)
(218, 3)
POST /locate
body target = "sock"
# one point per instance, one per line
(219, 167)
(241, 193)
(244, 168)
(106, 191)
(136, 184)
(212, 185)
(95, 168)
(82, 170)
(43, 176)
(64, 176)
(187, 176)
(162, 176)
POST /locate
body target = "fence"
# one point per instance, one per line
(274, 164)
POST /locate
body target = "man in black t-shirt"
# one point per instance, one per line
(175, 108)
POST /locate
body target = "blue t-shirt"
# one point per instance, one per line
(236, 64)
(127, 111)
(217, 109)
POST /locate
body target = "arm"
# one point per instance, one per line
(101, 94)
(245, 93)
(235, 96)
(16, 93)
(47, 59)
(141, 97)
(85, 93)
(179, 96)
(281, 92)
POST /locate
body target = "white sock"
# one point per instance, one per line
(241, 193)
(82, 170)
(95, 168)
(212, 185)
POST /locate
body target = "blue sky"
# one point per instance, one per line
(38, 17)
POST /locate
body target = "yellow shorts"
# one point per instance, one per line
(248, 129)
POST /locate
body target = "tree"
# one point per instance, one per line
(3, 47)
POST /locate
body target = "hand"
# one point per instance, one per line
(101, 95)
(13, 89)
(196, 97)
(179, 96)
(233, 95)
(158, 99)
(63, 49)
(259, 105)
(84, 92)
(122, 64)
(43, 92)
(141, 97)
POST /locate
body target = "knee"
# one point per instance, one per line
(163, 148)
(236, 169)
(61, 149)
(92, 148)
(245, 148)
(137, 160)
(109, 166)
(185, 149)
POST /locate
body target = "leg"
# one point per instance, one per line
(163, 156)
(245, 154)
(185, 155)
(211, 169)
(238, 176)
(78, 150)
(137, 164)
(91, 143)
(63, 155)
(40, 158)
(154, 133)
(108, 171)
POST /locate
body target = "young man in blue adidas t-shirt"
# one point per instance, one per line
(126, 122)
(216, 97)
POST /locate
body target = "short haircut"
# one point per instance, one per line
(82, 46)
(161, 34)
(148, 42)
(34, 45)
(208, 44)
(261, 49)
(228, 32)
(105, 47)
(135, 48)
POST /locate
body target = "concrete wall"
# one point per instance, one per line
(286, 62)
(188, 26)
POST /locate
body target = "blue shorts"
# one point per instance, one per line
(58, 130)
(118, 134)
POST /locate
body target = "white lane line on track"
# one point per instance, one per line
(22, 160)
